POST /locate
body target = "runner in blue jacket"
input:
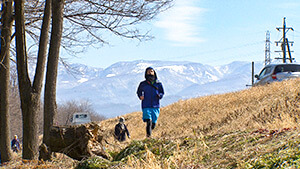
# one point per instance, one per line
(150, 91)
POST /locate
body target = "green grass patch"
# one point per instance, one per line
(287, 156)
(160, 147)
(96, 163)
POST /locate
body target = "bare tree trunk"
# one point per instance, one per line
(42, 53)
(88, 19)
(30, 98)
(44, 38)
(43, 47)
(4, 81)
(43, 43)
(50, 107)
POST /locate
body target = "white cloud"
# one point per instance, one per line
(289, 5)
(181, 23)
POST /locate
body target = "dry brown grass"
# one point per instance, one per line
(272, 107)
(59, 161)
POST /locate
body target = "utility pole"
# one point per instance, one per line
(267, 49)
(284, 42)
(252, 79)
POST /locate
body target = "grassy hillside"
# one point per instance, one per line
(274, 106)
(253, 128)
(245, 129)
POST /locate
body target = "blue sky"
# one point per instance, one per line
(212, 32)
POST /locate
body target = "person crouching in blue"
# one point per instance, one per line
(150, 91)
(15, 144)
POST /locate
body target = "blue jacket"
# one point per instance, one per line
(152, 93)
(15, 142)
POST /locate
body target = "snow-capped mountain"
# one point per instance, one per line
(112, 91)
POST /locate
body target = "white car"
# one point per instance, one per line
(277, 72)
(81, 118)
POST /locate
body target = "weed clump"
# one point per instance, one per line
(143, 150)
(95, 163)
(287, 156)
(161, 147)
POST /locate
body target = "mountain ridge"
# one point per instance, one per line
(112, 91)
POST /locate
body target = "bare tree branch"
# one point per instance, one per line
(87, 21)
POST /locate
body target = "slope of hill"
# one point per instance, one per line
(239, 126)
(272, 106)
(253, 128)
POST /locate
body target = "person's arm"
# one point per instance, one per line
(140, 92)
(117, 131)
(127, 132)
(160, 91)
(18, 144)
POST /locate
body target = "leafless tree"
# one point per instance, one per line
(30, 93)
(50, 108)
(66, 110)
(86, 22)
(6, 29)
(89, 17)
(89, 23)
